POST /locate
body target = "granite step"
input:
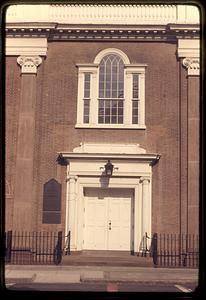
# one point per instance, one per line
(109, 259)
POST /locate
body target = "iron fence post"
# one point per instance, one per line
(8, 246)
(154, 249)
(58, 249)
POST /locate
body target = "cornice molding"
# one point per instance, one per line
(67, 157)
(101, 32)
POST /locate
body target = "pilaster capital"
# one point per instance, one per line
(192, 64)
(29, 64)
(72, 178)
(144, 180)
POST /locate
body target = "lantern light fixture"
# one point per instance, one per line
(109, 167)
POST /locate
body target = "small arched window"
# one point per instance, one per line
(111, 92)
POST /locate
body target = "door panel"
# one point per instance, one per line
(95, 222)
(114, 235)
(105, 206)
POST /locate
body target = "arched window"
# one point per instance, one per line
(111, 92)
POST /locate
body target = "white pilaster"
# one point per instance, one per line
(137, 217)
(72, 207)
(146, 203)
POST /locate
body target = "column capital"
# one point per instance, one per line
(72, 177)
(192, 64)
(29, 64)
(144, 180)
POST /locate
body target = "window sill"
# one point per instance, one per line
(110, 126)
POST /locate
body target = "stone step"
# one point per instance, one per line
(86, 260)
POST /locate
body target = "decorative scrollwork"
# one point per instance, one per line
(192, 65)
(29, 64)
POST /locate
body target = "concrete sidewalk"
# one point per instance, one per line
(76, 274)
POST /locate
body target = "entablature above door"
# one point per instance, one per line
(90, 159)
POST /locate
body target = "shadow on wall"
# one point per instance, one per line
(104, 180)
(52, 202)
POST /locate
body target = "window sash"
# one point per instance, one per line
(87, 91)
(87, 80)
(111, 111)
(135, 111)
(111, 77)
(135, 86)
(86, 111)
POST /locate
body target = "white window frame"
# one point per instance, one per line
(129, 70)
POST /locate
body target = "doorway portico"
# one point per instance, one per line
(108, 212)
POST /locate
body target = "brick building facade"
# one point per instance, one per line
(57, 144)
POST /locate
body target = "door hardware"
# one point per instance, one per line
(110, 224)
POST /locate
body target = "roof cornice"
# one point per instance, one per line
(55, 31)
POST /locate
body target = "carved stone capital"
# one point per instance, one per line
(144, 180)
(192, 65)
(29, 64)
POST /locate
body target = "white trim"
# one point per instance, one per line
(77, 228)
(106, 51)
(26, 46)
(133, 169)
(111, 126)
(109, 148)
(150, 158)
(188, 48)
(104, 14)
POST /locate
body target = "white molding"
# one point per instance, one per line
(131, 180)
(110, 126)
(104, 14)
(128, 71)
(116, 51)
(109, 148)
(26, 46)
(188, 48)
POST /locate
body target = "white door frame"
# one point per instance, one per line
(75, 207)
(133, 170)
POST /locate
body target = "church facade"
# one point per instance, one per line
(102, 122)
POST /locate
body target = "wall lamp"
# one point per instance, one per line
(109, 167)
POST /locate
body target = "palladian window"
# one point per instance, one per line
(111, 92)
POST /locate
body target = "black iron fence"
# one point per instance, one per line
(33, 247)
(175, 250)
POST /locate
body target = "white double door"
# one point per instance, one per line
(108, 219)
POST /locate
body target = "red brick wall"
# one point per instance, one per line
(56, 112)
(12, 100)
